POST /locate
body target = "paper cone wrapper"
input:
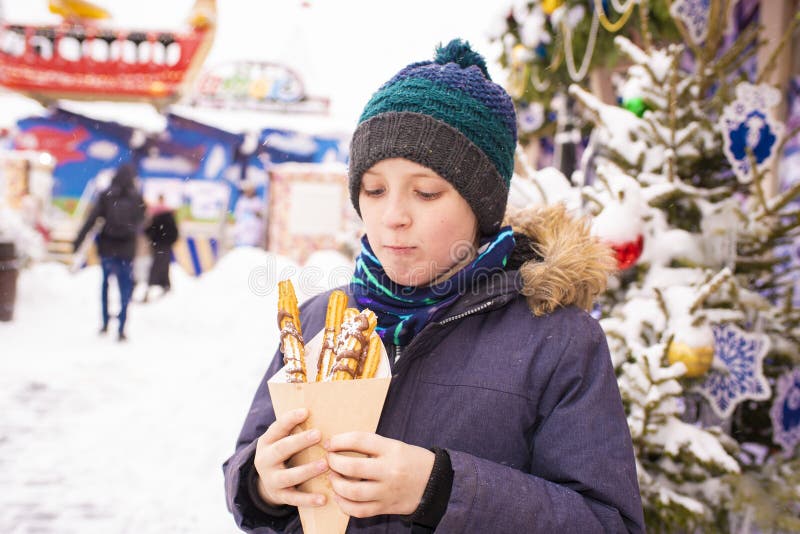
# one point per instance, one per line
(333, 407)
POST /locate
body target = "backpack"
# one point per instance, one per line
(123, 215)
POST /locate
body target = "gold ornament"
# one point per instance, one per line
(696, 359)
(519, 71)
(548, 6)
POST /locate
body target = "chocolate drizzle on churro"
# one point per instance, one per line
(342, 365)
(294, 369)
(327, 345)
(350, 360)
(283, 315)
(290, 330)
(361, 359)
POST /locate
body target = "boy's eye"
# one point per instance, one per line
(428, 196)
(373, 192)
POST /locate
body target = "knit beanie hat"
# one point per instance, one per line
(449, 116)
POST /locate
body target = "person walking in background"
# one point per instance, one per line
(249, 226)
(122, 209)
(162, 233)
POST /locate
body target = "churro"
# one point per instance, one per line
(337, 303)
(355, 336)
(371, 358)
(292, 344)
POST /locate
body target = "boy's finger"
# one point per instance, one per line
(358, 509)
(363, 442)
(289, 478)
(284, 425)
(353, 467)
(294, 497)
(353, 490)
(285, 448)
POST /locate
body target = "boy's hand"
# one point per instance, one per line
(390, 480)
(276, 482)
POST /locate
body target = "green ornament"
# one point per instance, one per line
(635, 105)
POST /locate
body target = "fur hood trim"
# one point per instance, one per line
(564, 263)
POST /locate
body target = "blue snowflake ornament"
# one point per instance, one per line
(694, 15)
(785, 411)
(531, 117)
(746, 123)
(737, 372)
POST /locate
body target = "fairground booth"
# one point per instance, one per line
(230, 147)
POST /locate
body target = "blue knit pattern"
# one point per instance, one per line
(471, 81)
(476, 121)
(456, 89)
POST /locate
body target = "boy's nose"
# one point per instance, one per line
(396, 214)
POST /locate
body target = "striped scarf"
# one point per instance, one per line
(404, 310)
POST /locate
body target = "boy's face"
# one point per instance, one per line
(420, 228)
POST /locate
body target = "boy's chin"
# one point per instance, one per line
(408, 279)
(417, 279)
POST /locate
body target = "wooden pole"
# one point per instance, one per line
(776, 15)
(601, 86)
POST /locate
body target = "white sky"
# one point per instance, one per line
(344, 49)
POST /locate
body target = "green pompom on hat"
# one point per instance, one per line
(449, 116)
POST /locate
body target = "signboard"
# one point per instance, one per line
(256, 85)
(309, 208)
(80, 147)
(189, 165)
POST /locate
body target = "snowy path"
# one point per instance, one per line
(97, 436)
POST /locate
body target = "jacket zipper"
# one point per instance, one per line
(466, 313)
(398, 351)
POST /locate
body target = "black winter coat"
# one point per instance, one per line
(162, 232)
(122, 208)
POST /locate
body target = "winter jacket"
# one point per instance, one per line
(122, 209)
(162, 230)
(526, 405)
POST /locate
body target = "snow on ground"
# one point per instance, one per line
(98, 436)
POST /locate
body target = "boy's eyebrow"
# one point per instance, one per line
(418, 174)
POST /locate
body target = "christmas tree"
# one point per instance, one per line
(703, 321)
(549, 44)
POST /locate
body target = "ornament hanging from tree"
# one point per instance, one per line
(737, 372)
(694, 15)
(747, 126)
(785, 411)
(620, 226)
(720, 230)
(632, 97)
(696, 359)
(694, 347)
(531, 117)
(628, 252)
(635, 105)
(548, 6)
